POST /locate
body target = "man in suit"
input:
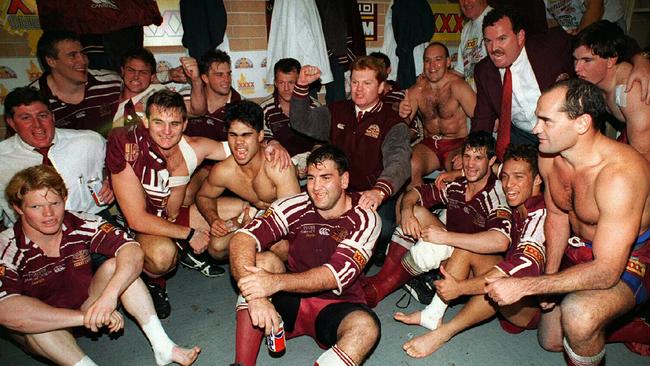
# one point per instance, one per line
(532, 65)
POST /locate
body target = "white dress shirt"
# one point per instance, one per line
(525, 92)
(77, 155)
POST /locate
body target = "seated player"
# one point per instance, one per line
(444, 101)
(48, 289)
(255, 181)
(331, 239)
(478, 221)
(526, 257)
(602, 270)
(150, 167)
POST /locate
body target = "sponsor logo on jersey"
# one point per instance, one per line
(106, 227)
(339, 234)
(503, 214)
(373, 131)
(324, 231)
(104, 4)
(267, 213)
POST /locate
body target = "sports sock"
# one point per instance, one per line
(578, 360)
(334, 357)
(85, 361)
(248, 338)
(160, 343)
(391, 276)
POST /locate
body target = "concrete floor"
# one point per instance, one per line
(203, 314)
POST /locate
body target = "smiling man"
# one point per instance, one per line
(370, 132)
(525, 257)
(331, 238)
(255, 181)
(78, 97)
(78, 156)
(478, 223)
(444, 101)
(150, 167)
(597, 228)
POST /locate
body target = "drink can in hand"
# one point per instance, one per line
(94, 185)
(276, 341)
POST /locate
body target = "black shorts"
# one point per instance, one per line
(316, 317)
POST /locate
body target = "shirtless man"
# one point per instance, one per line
(246, 173)
(522, 187)
(49, 288)
(150, 167)
(444, 101)
(596, 51)
(598, 190)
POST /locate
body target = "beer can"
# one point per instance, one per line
(276, 341)
(94, 185)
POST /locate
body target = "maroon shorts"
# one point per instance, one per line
(513, 329)
(442, 147)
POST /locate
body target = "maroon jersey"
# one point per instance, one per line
(96, 110)
(212, 125)
(61, 281)
(343, 245)
(487, 210)
(132, 145)
(276, 126)
(527, 253)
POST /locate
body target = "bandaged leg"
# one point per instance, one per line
(160, 342)
(425, 256)
(85, 361)
(577, 360)
(334, 357)
(248, 338)
(431, 316)
(392, 274)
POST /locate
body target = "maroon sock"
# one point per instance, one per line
(391, 276)
(248, 339)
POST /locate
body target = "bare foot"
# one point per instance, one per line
(426, 344)
(185, 356)
(410, 319)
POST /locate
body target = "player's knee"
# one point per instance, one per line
(107, 268)
(364, 324)
(270, 262)
(579, 319)
(161, 258)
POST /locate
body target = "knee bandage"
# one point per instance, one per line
(425, 256)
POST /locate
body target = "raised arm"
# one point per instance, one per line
(198, 104)
(313, 122)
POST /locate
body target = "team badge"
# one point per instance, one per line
(339, 234)
(503, 214)
(267, 213)
(80, 258)
(635, 266)
(359, 258)
(535, 253)
(2, 270)
(373, 131)
(131, 151)
(106, 227)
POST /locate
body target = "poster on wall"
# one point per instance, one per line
(170, 32)
(449, 22)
